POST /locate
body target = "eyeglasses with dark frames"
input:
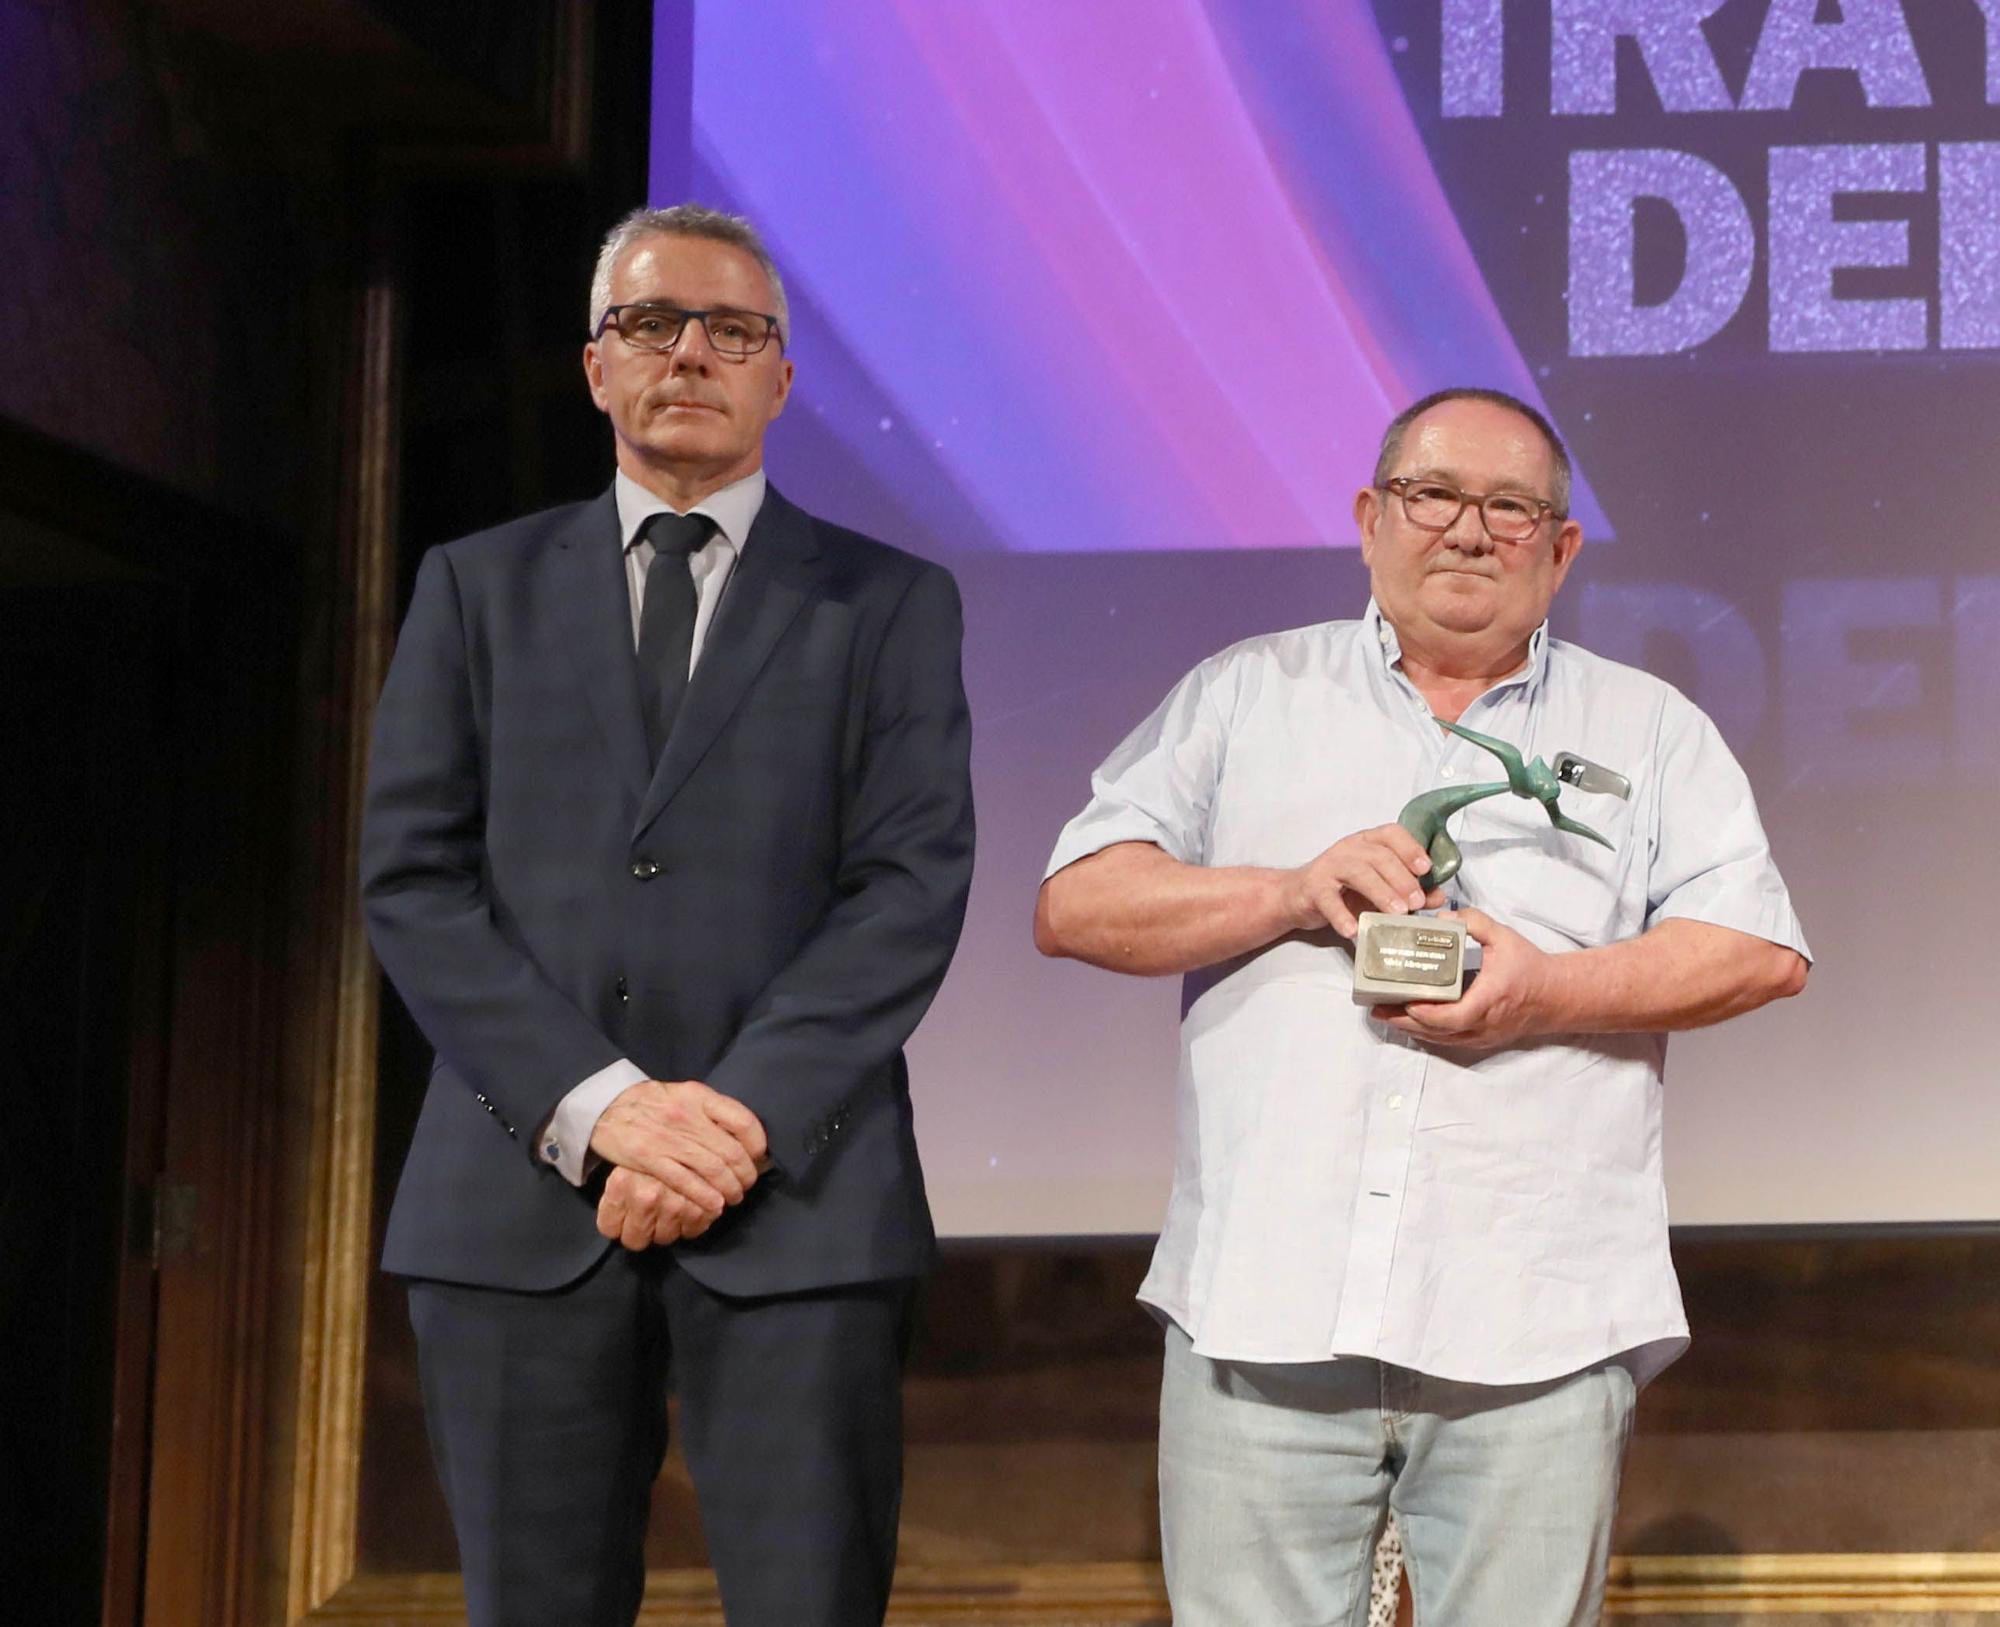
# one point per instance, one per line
(1509, 516)
(733, 334)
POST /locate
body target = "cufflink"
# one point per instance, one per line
(552, 1151)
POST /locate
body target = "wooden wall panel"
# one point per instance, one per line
(1831, 1443)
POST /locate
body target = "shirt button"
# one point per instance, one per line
(1446, 772)
(1395, 1103)
(644, 869)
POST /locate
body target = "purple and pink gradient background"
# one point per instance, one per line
(1105, 304)
(1084, 260)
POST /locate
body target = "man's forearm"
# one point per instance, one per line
(1133, 908)
(1681, 974)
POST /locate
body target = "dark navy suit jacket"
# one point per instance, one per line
(769, 909)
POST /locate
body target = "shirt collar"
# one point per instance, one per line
(733, 509)
(1383, 635)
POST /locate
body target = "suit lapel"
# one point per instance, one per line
(772, 581)
(594, 610)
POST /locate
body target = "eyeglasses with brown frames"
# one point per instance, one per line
(1509, 516)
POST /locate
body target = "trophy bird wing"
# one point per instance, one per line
(1575, 827)
(1517, 771)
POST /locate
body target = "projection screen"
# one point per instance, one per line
(1104, 304)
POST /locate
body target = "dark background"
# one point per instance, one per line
(198, 201)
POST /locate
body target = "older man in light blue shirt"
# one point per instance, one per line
(1416, 1257)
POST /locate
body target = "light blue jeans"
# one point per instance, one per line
(1275, 1480)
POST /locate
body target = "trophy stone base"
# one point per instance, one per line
(1399, 958)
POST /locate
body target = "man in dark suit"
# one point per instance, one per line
(667, 843)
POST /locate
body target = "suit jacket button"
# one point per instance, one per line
(644, 869)
(624, 993)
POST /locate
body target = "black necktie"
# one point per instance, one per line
(666, 623)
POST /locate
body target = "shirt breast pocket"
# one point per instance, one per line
(1553, 886)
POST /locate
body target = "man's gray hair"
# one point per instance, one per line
(685, 220)
(1392, 437)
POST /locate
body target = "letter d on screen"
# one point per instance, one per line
(1604, 317)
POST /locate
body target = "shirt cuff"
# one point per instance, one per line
(1093, 830)
(565, 1139)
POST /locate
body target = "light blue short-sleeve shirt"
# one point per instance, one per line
(1340, 1188)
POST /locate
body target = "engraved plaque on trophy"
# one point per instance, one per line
(1400, 958)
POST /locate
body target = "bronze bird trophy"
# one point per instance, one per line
(1399, 958)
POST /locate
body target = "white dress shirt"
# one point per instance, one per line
(1340, 1189)
(565, 1139)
